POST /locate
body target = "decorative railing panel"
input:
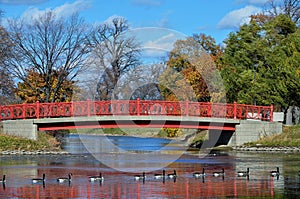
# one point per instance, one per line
(135, 107)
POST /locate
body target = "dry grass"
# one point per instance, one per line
(44, 142)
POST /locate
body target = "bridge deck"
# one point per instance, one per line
(136, 122)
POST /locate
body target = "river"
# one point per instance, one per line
(119, 158)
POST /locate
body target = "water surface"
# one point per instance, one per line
(151, 153)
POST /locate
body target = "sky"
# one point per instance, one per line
(216, 18)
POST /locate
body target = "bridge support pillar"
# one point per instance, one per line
(253, 130)
(20, 128)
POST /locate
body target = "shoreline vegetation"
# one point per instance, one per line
(49, 142)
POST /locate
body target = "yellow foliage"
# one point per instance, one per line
(173, 132)
(35, 88)
(190, 74)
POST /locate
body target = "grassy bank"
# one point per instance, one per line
(45, 142)
(290, 137)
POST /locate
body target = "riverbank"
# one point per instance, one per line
(15, 145)
(287, 142)
(268, 149)
(289, 138)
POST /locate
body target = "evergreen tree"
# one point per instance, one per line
(260, 64)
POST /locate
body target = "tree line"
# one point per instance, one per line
(258, 64)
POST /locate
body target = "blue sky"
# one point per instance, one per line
(212, 17)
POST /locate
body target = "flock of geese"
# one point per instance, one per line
(163, 175)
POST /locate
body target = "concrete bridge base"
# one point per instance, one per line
(20, 128)
(251, 130)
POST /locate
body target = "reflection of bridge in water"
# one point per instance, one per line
(26, 119)
(184, 187)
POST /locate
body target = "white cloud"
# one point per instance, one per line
(258, 1)
(164, 42)
(146, 3)
(163, 22)
(252, 2)
(64, 10)
(157, 42)
(236, 18)
(22, 2)
(110, 19)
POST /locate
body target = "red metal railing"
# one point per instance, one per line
(135, 107)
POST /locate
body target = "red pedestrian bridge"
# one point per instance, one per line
(129, 114)
(135, 108)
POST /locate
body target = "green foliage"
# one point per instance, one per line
(261, 63)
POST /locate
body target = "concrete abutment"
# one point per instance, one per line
(253, 130)
(20, 128)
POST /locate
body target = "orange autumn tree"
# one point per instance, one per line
(185, 76)
(34, 88)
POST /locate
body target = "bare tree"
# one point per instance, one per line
(7, 88)
(142, 82)
(288, 7)
(114, 53)
(48, 45)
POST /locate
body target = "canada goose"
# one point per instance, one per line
(3, 180)
(96, 178)
(275, 173)
(243, 173)
(172, 175)
(160, 176)
(61, 180)
(198, 175)
(37, 180)
(222, 173)
(140, 177)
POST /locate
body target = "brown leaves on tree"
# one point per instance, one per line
(33, 89)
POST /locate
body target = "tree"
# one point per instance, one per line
(191, 73)
(31, 90)
(142, 82)
(209, 45)
(7, 87)
(51, 47)
(114, 53)
(290, 8)
(260, 63)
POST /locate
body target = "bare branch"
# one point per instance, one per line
(288, 7)
(49, 45)
(114, 52)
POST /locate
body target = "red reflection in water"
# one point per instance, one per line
(122, 185)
